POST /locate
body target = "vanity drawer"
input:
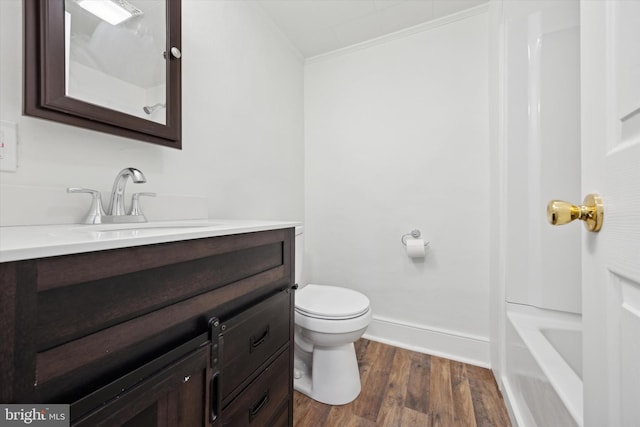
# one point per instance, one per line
(249, 339)
(262, 402)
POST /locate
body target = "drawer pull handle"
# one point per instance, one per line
(257, 340)
(255, 409)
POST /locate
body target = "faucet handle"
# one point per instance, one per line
(96, 212)
(135, 203)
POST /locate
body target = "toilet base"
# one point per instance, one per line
(333, 378)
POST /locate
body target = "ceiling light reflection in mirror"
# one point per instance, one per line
(112, 12)
(115, 55)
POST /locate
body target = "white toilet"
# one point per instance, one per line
(328, 320)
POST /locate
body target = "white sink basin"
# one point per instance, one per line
(163, 225)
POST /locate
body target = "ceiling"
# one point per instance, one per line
(315, 27)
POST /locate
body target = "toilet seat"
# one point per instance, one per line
(330, 302)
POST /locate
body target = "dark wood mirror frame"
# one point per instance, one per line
(44, 79)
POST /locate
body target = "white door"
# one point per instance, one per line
(610, 89)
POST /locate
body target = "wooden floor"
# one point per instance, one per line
(402, 388)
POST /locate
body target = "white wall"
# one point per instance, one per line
(242, 130)
(396, 138)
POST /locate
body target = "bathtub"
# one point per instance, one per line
(543, 375)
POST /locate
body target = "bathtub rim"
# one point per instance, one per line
(528, 323)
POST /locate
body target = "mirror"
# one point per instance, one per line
(117, 64)
(107, 65)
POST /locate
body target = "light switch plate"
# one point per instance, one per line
(8, 146)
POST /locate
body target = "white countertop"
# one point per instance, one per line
(38, 241)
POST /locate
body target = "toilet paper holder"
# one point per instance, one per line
(415, 234)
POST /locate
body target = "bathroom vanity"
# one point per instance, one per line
(189, 326)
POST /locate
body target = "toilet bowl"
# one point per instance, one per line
(328, 320)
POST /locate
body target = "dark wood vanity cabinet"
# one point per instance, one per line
(190, 333)
(170, 391)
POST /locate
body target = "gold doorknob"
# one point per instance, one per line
(591, 212)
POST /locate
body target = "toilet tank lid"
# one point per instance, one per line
(331, 302)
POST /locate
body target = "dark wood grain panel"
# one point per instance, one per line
(70, 312)
(7, 329)
(281, 419)
(110, 351)
(71, 269)
(166, 386)
(24, 361)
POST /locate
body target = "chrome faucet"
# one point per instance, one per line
(116, 212)
(116, 205)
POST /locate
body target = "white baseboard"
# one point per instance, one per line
(465, 348)
(513, 409)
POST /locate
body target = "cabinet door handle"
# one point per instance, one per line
(259, 339)
(257, 407)
(215, 398)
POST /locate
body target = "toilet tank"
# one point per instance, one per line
(299, 254)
